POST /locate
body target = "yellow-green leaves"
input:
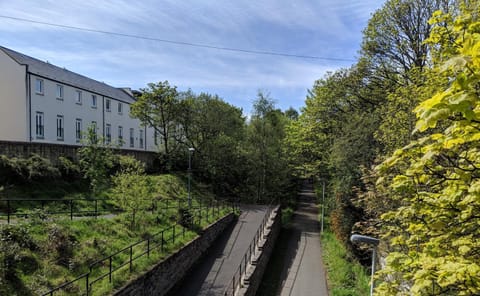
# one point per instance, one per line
(437, 178)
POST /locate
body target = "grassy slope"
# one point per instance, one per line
(53, 252)
(346, 277)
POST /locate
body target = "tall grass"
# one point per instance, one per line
(346, 277)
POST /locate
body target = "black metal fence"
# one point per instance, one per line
(107, 266)
(239, 274)
(72, 207)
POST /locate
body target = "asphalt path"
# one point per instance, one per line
(303, 272)
(214, 272)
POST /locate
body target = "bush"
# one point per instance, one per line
(14, 241)
(185, 217)
(60, 244)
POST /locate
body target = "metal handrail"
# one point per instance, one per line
(111, 269)
(231, 288)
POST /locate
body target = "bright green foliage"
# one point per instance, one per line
(269, 175)
(132, 190)
(434, 232)
(216, 130)
(158, 107)
(96, 159)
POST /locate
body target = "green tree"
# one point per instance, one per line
(96, 159)
(434, 232)
(216, 130)
(132, 189)
(158, 107)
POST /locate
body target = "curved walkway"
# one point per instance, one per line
(304, 273)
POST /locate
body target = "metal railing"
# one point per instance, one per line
(239, 274)
(70, 207)
(107, 266)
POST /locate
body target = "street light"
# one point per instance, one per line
(323, 205)
(370, 241)
(190, 151)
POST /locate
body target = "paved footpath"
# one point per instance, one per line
(214, 273)
(304, 272)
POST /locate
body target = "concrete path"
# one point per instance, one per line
(214, 273)
(303, 273)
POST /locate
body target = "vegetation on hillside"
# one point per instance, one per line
(396, 138)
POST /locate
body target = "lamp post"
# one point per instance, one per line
(190, 151)
(374, 243)
(323, 205)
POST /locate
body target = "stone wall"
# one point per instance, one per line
(255, 272)
(53, 151)
(166, 274)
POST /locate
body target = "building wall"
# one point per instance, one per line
(71, 108)
(13, 100)
(67, 106)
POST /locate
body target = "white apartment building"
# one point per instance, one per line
(43, 103)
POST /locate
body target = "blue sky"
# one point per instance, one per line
(323, 28)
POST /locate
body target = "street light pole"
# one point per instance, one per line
(190, 151)
(374, 243)
(323, 205)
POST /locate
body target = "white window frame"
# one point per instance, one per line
(94, 101)
(108, 133)
(132, 137)
(140, 138)
(78, 129)
(59, 92)
(60, 128)
(40, 125)
(120, 108)
(108, 105)
(78, 97)
(120, 135)
(94, 126)
(39, 86)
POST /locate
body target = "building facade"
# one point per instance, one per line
(43, 103)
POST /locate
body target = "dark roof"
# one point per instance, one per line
(53, 72)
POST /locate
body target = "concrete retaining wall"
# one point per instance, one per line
(163, 277)
(255, 272)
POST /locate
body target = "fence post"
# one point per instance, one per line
(87, 285)
(8, 211)
(131, 255)
(71, 209)
(110, 269)
(148, 247)
(161, 246)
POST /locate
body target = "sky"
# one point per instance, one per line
(328, 29)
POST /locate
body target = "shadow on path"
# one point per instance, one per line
(296, 266)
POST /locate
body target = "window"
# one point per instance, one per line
(120, 135)
(108, 133)
(141, 138)
(120, 107)
(155, 137)
(94, 128)
(60, 131)
(94, 101)
(78, 129)
(107, 105)
(78, 97)
(59, 92)
(39, 127)
(132, 137)
(39, 86)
